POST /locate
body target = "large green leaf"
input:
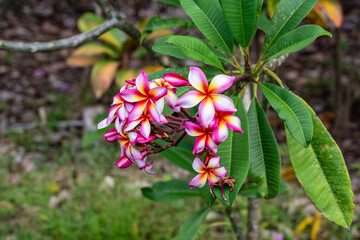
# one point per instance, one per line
(206, 195)
(242, 16)
(264, 22)
(169, 190)
(157, 23)
(191, 226)
(180, 156)
(288, 14)
(208, 17)
(295, 40)
(292, 110)
(264, 152)
(321, 170)
(166, 48)
(235, 155)
(196, 49)
(171, 2)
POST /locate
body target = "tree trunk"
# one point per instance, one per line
(254, 215)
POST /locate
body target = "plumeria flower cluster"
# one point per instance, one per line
(138, 120)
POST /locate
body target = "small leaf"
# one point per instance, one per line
(242, 16)
(295, 40)
(208, 17)
(102, 75)
(82, 61)
(168, 191)
(288, 14)
(291, 110)
(189, 229)
(122, 75)
(321, 170)
(195, 49)
(89, 21)
(264, 152)
(165, 48)
(234, 154)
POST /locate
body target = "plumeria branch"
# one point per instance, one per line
(114, 20)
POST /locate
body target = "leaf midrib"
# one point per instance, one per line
(297, 120)
(282, 27)
(219, 35)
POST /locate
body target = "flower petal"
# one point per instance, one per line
(219, 172)
(141, 164)
(193, 130)
(220, 83)
(111, 135)
(137, 111)
(176, 80)
(198, 79)
(132, 137)
(117, 99)
(142, 83)
(199, 144)
(122, 113)
(233, 123)
(112, 113)
(198, 165)
(123, 162)
(145, 128)
(171, 100)
(212, 179)
(206, 111)
(140, 139)
(148, 169)
(220, 133)
(157, 92)
(160, 105)
(153, 111)
(223, 103)
(211, 144)
(102, 124)
(198, 181)
(214, 163)
(133, 95)
(190, 99)
(133, 124)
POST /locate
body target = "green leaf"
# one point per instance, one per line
(208, 17)
(321, 170)
(89, 21)
(264, 152)
(235, 155)
(222, 56)
(264, 22)
(180, 156)
(291, 110)
(251, 190)
(209, 72)
(242, 16)
(195, 49)
(171, 2)
(288, 14)
(169, 190)
(295, 40)
(165, 48)
(157, 23)
(189, 229)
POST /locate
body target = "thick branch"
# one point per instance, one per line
(59, 44)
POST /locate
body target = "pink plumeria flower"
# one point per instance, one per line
(176, 80)
(147, 167)
(145, 98)
(204, 137)
(120, 109)
(212, 172)
(123, 162)
(170, 98)
(207, 95)
(225, 120)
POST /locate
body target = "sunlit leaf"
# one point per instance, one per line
(321, 170)
(271, 6)
(124, 74)
(102, 75)
(82, 61)
(95, 49)
(333, 10)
